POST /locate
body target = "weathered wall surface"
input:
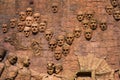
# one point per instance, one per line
(103, 43)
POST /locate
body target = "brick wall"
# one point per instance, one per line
(103, 43)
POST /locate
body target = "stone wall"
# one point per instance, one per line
(104, 44)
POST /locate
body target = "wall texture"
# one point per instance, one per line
(104, 44)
